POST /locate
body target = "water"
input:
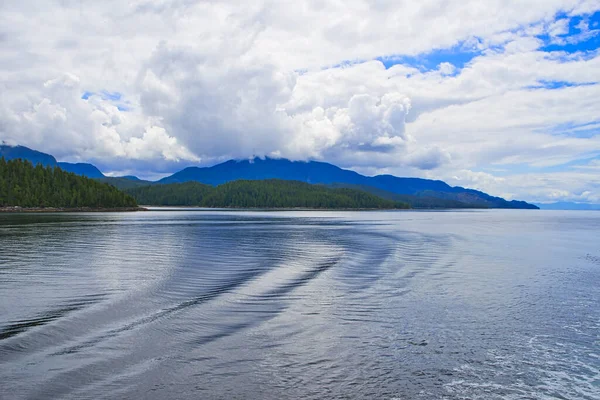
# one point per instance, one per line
(312, 305)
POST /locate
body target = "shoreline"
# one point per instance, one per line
(43, 210)
(184, 208)
(16, 209)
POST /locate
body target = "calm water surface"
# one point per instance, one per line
(312, 305)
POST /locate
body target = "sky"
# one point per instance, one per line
(501, 96)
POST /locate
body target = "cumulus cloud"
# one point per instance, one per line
(56, 119)
(201, 82)
(571, 185)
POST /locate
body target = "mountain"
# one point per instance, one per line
(422, 193)
(269, 193)
(123, 182)
(83, 169)
(37, 157)
(324, 173)
(24, 185)
(417, 202)
(565, 205)
(33, 156)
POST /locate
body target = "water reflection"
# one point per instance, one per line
(299, 304)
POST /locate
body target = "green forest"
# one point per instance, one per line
(418, 201)
(25, 185)
(271, 193)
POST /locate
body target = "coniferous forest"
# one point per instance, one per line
(25, 185)
(270, 193)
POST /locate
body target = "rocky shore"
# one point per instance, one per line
(17, 209)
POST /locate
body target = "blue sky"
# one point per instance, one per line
(459, 56)
(115, 98)
(581, 39)
(577, 39)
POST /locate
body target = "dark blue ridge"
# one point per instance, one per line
(33, 156)
(84, 169)
(130, 177)
(37, 157)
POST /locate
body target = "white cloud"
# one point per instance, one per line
(56, 119)
(559, 27)
(206, 81)
(446, 68)
(573, 185)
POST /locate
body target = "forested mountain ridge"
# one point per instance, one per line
(123, 182)
(25, 185)
(327, 174)
(37, 157)
(173, 194)
(271, 193)
(420, 193)
(415, 201)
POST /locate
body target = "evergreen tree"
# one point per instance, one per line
(271, 193)
(25, 185)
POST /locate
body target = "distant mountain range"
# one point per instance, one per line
(420, 193)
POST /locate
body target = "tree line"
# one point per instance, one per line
(270, 193)
(25, 185)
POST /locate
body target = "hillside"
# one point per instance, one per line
(123, 183)
(174, 194)
(25, 153)
(25, 185)
(271, 193)
(83, 169)
(37, 157)
(324, 173)
(417, 202)
(420, 193)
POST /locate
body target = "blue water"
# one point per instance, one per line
(313, 305)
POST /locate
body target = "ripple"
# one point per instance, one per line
(314, 305)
